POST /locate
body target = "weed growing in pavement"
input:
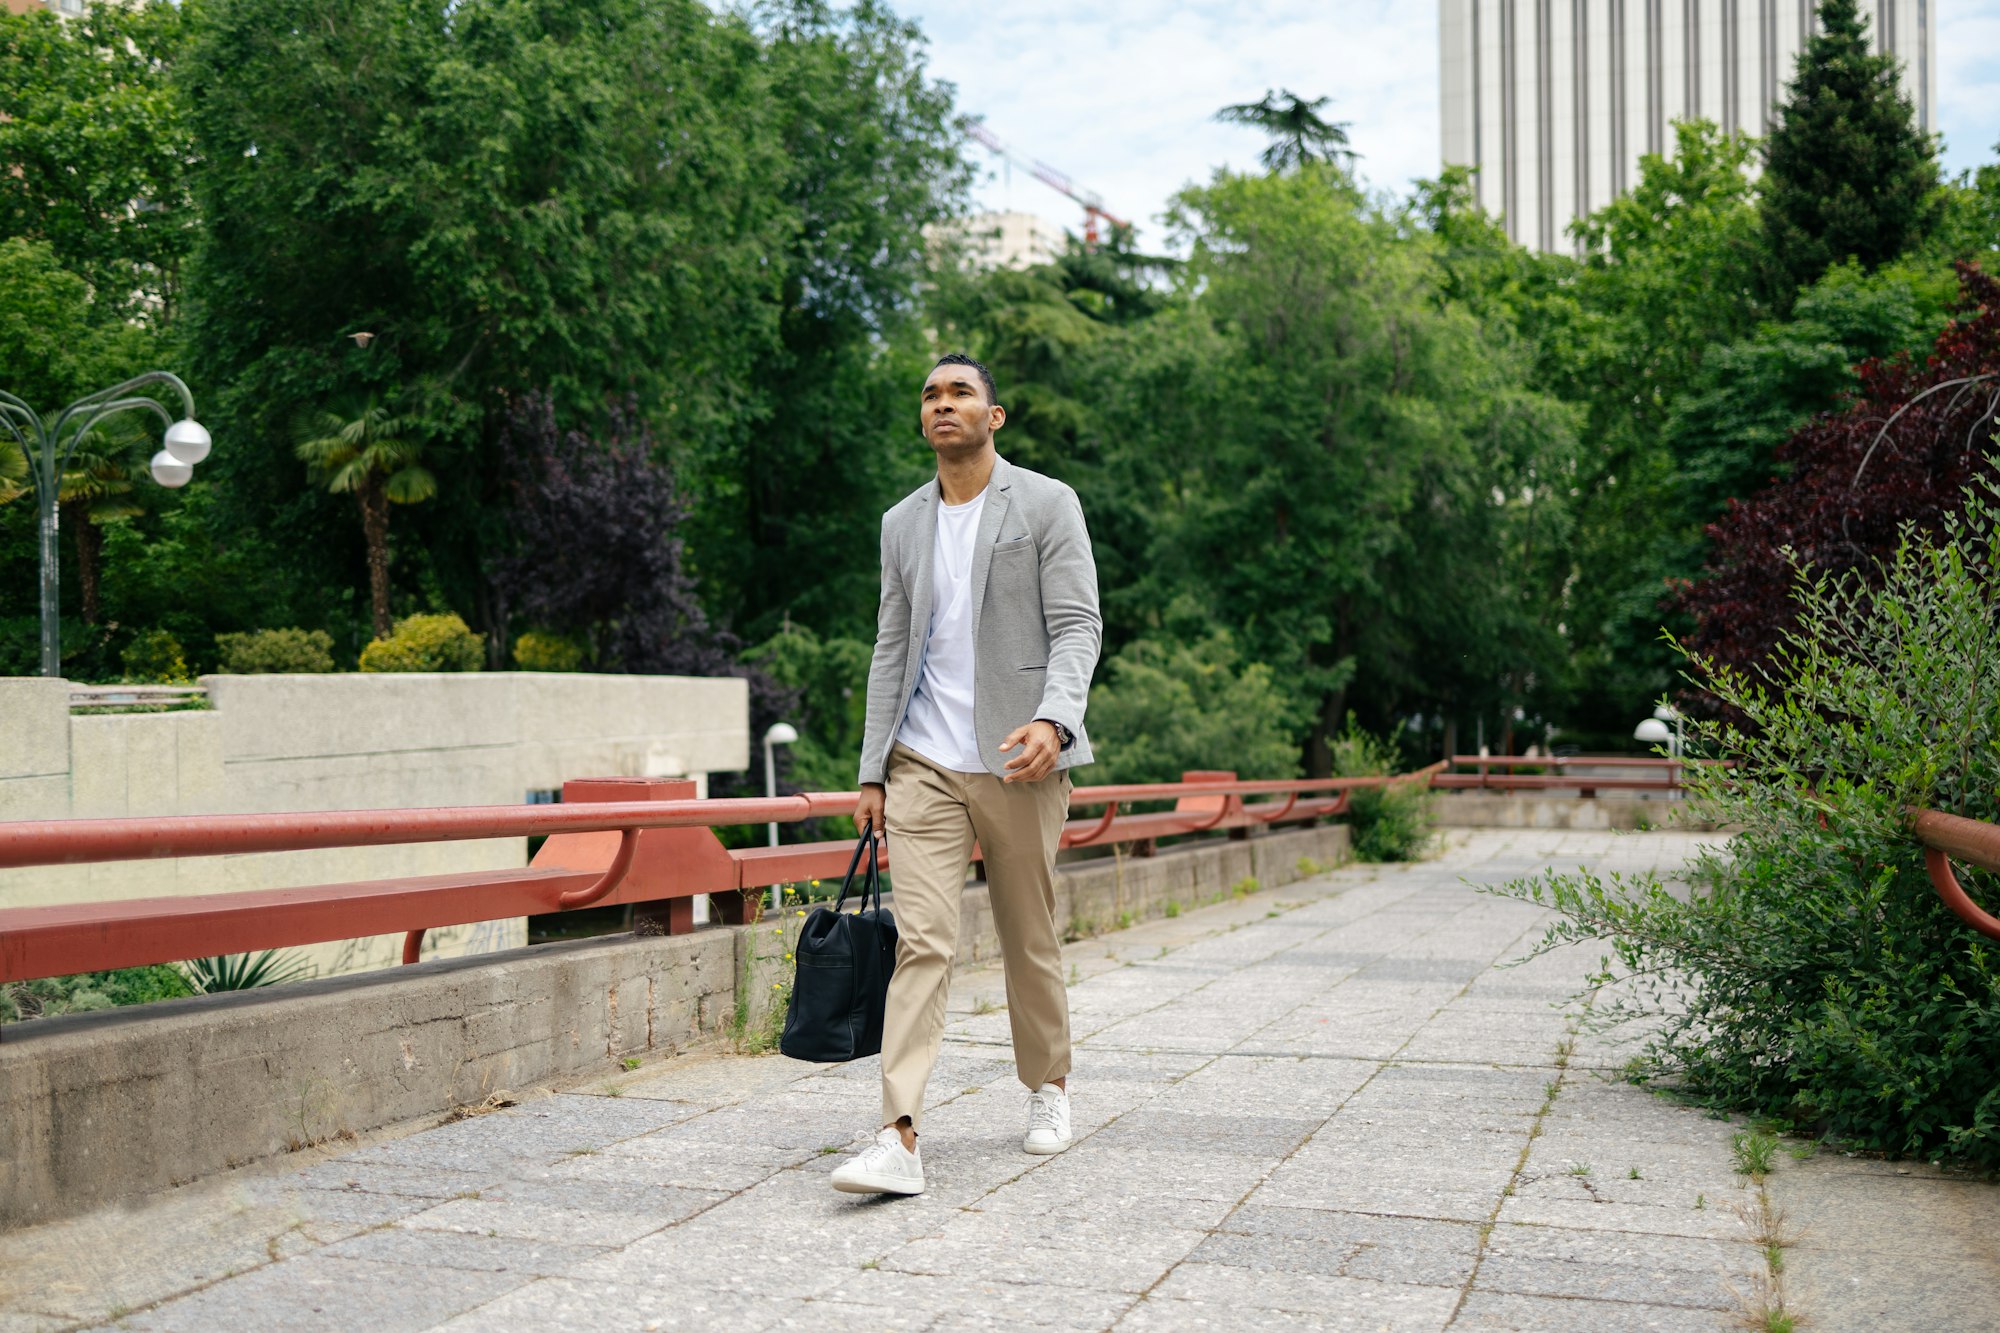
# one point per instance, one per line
(1244, 887)
(1308, 868)
(630, 1062)
(1805, 971)
(1075, 974)
(983, 1006)
(1754, 1151)
(1579, 1168)
(829, 1149)
(1801, 1150)
(1173, 909)
(615, 1090)
(1700, 1202)
(1632, 1173)
(1125, 920)
(579, 1152)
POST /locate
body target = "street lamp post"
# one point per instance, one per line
(780, 733)
(48, 448)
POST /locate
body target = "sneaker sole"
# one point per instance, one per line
(879, 1185)
(1047, 1149)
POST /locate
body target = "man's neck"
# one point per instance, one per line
(963, 480)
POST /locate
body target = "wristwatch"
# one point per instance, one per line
(1063, 736)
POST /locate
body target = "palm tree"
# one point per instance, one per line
(1298, 135)
(97, 488)
(364, 449)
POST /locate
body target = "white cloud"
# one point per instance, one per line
(1120, 95)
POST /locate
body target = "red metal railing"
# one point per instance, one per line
(612, 841)
(1946, 836)
(1583, 773)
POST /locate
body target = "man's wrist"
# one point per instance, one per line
(1064, 737)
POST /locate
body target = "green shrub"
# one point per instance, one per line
(1389, 823)
(275, 652)
(537, 651)
(426, 643)
(155, 657)
(1806, 973)
(46, 997)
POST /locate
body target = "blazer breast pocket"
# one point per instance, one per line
(1013, 544)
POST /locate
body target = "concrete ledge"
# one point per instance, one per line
(106, 1106)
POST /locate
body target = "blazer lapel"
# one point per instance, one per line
(920, 589)
(990, 519)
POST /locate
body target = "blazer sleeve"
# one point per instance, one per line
(885, 669)
(1069, 608)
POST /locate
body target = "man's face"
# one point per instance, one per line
(954, 415)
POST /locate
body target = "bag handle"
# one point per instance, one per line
(872, 880)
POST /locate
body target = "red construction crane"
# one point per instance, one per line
(1093, 203)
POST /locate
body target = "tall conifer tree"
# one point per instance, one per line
(1849, 173)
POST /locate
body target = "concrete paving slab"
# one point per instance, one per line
(1491, 1312)
(1305, 1292)
(319, 1293)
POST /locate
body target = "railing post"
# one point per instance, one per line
(675, 862)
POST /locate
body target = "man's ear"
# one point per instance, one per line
(998, 416)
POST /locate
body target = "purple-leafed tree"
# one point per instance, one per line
(593, 525)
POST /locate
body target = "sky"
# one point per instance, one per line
(1119, 94)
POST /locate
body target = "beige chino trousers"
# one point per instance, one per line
(933, 816)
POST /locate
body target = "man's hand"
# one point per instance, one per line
(1039, 751)
(869, 809)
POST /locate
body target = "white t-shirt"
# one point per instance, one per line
(938, 725)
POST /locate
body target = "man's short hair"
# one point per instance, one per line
(985, 375)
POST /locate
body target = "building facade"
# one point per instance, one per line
(1000, 240)
(64, 8)
(1554, 101)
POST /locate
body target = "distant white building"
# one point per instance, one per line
(1554, 101)
(65, 8)
(1001, 240)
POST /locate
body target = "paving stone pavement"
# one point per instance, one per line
(1332, 1106)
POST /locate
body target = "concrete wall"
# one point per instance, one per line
(1520, 810)
(343, 742)
(97, 1107)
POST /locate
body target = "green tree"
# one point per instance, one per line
(1299, 135)
(367, 451)
(868, 158)
(57, 344)
(95, 151)
(1670, 272)
(482, 187)
(1750, 395)
(1172, 704)
(1848, 174)
(831, 677)
(1307, 430)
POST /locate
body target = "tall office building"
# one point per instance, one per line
(1554, 101)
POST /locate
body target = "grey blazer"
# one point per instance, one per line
(1035, 624)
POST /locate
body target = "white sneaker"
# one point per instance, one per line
(883, 1167)
(1048, 1121)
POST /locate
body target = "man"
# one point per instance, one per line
(988, 635)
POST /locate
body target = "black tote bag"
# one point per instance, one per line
(844, 963)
